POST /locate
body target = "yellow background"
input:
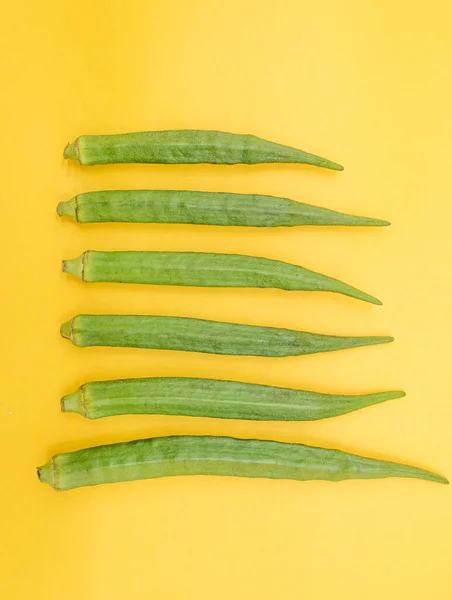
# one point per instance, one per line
(363, 83)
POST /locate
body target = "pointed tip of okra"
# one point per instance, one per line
(369, 298)
(411, 472)
(372, 340)
(384, 339)
(352, 292)
(325, 162)
(359, 221)
(68, 209)
(66, 330)
(73, 402)
(300, 156)
(371, 222)
(70, 151)
(75, 266)
(385, 396)
(430, 476)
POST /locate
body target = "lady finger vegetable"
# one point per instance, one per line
(202, 208)
(193, 455)
(211, 398)
(186, 146)
(205, 270)
(198, 335)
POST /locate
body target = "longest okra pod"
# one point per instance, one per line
(201, 208)
(203, 270)
(209, 455)
(211, 398)
(187, 146)
(199, 335)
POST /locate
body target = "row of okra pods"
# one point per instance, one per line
(205, 455)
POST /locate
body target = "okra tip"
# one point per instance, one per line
(68, 209)
(334, 166)
(368, 298)
(74, 266)
(319, 161)
(430, 476)
(376, 339)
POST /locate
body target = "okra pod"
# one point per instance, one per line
(202, 208)
(187, 146)
(194, 397)
(199, 335)
(203, 270)
(210, 455)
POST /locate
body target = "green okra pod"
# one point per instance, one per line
(210, 455)
(202, 208)
(195, 397)
(203, 270)
(187, 146)
(199, 335)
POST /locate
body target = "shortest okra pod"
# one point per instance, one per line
(211, 398)
(199, 335)
(203, 269)
(187, 146)
(210, 455)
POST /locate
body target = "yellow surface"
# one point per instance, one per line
(363, 83)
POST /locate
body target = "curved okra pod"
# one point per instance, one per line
(203, 270)
(211, 398)
(187, 146)
(209, 455)
(202, 208)
(199, 335)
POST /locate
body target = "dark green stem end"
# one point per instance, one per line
(75, 266)
(46, 473)
(68, 209)
(70, 151)
(73, 403)
(66, 330)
